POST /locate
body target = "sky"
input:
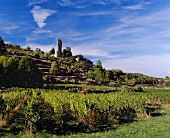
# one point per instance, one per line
(130, 35)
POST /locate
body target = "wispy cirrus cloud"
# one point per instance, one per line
(138, 6)
(8, 26)
(134, 7)
(45, 48)
(142, 64)
(8, 29)
(136, 39)
(82, 3)
(65, 2)
(40, 15)
(40, 31)
(33, 2)
(94, 13)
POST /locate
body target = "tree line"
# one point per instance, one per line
(100, 75)
(19, 72)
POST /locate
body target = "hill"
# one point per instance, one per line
(74, 69)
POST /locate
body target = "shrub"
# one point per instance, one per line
(136, 88)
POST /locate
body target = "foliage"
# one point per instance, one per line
(19, 72)
(2, 45)
(136, 88)
(37, 54)
(67, 52)
(52, 51)
(29, 73)
(59, 111)
(99, 64)
(54, 68)
(28, 48)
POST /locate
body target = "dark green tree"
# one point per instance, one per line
(10, 71)
(52, 51)
(28, 48)
(38, 50)
(54, 68)
(99, 75)
(99, 64)
(29, 74)
(67, 52)
(18, 47)
(109, 75)
(2, 45)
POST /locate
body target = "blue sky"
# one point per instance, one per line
(131, 35)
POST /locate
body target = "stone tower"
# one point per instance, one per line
(58, 52)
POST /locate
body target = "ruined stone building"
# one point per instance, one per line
(58, 51)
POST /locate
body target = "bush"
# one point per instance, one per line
(37, 55)
(126, 88)
(136, 88)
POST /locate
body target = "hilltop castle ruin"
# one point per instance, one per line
(58, 51)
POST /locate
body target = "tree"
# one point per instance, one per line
(37, 54)
(99, 75)
(10, 71)
(54, 68)
(19, 73)
(28, 48)
(99, 63)
(2, 45)
(109, 75)
(117, 73)
(52, 51)
(18, 47)
(90, 74)
(167, 77)
(67, 52)
(38, 50)
(29, 74)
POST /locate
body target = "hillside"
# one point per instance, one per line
(75, 69)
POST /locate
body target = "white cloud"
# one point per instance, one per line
(97, 13)
(80, 6)
(40, 15)
(134, 7)
(8, 28)
(136, 44)
(7, 42)
(65, 3)
(84, 3)
(40, 31)
(92, 51)
(100, 2)
(45, 48)
(33, 2)
(147, 3)
(151, 65)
